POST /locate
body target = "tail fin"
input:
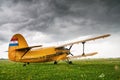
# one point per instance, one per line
(17, 41)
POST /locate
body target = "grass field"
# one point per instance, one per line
(90, 69)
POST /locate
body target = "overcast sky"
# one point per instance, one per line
(48, 21)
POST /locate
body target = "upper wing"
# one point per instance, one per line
(89, 39)
(27, 48)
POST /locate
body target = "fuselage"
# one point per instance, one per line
(43, 54)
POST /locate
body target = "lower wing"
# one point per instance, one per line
(85, 55)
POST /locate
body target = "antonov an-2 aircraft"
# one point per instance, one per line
(19, 51)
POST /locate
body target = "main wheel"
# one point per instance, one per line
(24, 64)
(28, 63)
(55, 62)
(70, 62)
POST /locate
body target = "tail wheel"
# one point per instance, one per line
(24, 64)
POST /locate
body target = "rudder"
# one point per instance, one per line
(16, 42)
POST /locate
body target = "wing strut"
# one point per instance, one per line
(25, 53)
(83, 48)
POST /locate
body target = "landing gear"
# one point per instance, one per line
(26, 64)
(70, 62)
(55, 62)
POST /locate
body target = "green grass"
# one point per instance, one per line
(90, 69)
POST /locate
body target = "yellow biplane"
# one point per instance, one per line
(19, 51)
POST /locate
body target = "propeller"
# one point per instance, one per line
(70, 49)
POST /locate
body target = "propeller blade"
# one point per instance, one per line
(71, 53)
(70, 47)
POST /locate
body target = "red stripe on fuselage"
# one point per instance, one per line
(14, 39)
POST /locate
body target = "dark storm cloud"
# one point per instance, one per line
(100, 10)
(44, 21)
(86, 16)
(70, 18)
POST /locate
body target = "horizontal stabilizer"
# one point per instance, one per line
(85, 55)
(27, 48)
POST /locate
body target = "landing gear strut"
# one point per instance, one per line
(68, 61)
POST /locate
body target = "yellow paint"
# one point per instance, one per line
(20, 52)
(34, 55)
